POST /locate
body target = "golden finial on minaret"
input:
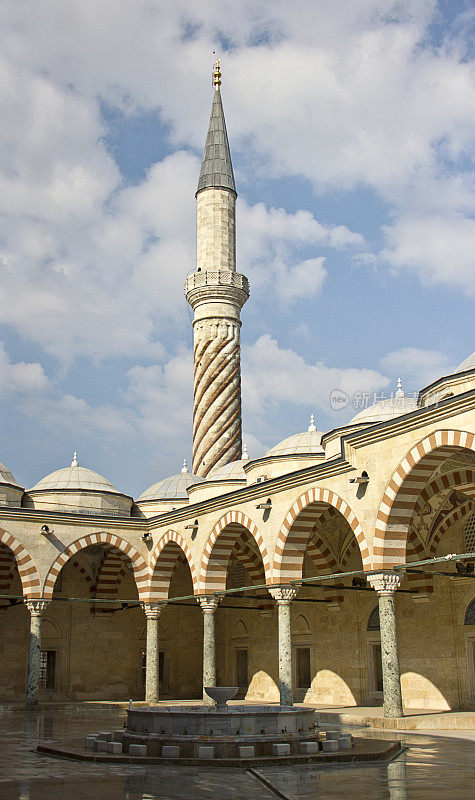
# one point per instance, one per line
(216, 80)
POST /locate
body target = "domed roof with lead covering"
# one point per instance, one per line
(232, 471)
(75, 477)
(469, 363)
(172, 488)
(7, 477)
(308, 441)
(389, 408)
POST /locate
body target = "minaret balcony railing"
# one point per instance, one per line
(217, 278)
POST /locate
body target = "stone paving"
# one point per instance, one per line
(434, 767)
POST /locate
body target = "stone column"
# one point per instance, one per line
(152, 677)
(36, 608)
(284, 596)
(385, 584)
(209, 604)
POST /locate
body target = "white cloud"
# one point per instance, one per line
(439, 249)
(417, 367)
(21, 378)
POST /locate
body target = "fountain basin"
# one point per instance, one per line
(221, 694)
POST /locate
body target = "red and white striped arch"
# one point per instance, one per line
(30, 580)
(250, 559)
(457, 514)
(231, 528)
(298, 525)
(403, 490)
(415, 551)
(462, 479)
(111, 570)
(139, 566)
(165, 557)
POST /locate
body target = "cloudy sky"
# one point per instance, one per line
(351, 129)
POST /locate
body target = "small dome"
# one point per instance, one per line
(389, 408)
(172, 488)
(469, 363)
(75, 477)
(7, 477)
(300, 443)
(232, 471)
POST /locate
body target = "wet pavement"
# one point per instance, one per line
(431, 768)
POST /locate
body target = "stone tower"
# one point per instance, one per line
(216, 293)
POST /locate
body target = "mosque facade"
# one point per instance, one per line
(287, 575)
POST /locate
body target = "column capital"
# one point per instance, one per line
(385, 583)
(283, 594)
(152, 610)
(36, 607)
(208, 602)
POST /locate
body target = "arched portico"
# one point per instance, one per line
(30, 579)
(404, 489)
(163, 562)
(139, 566)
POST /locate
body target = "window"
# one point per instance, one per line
(47, 670)
(469, 534)
(303, 667)
(470, 613)
(377, 668)
(373, 620)
(241, 668)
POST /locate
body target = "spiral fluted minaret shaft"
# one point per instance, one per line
(217, 293)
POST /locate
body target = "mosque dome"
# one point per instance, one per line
(173, 488)
(384, 410)
(469, 363)
(10, 490)
(308, 441)
(234, 471)
(74, 477)
(79, 490)
(6, 477)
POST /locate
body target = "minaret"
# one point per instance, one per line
(216, 293)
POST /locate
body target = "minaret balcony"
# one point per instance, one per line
(217, 278)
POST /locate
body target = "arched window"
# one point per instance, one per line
(469, 534)
(373, 621)
(470, 613)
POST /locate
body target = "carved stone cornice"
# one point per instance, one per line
(384, 583)
(284, 594)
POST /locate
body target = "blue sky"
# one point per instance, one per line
(351, 130)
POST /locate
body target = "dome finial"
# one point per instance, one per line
(400, 390)
(216, 80)
(245, 454)
(75, 462)
(312, 427)
(184, 467)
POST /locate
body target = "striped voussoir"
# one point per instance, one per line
(250, 558)
(112, 568)
(294, 534)
(139, 567)
(165, 557)
(221, 542)
(406, 484)
(463, 479)
(8, 569)
(457, 514)
(415, 551)
(30, 580)
(321, 555)
(217, 400)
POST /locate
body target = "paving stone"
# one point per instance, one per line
(246, 751)
(138, 750)
(170, 751)
(101, 746)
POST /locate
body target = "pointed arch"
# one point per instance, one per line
(160, 579)
(291, 545)
(438, 532)
(402, 492)
(462, 479)
(27, 570)
(220, 545)
(139, 566)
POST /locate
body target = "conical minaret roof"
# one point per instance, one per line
(216, 169)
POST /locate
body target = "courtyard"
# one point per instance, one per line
(433, 766)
